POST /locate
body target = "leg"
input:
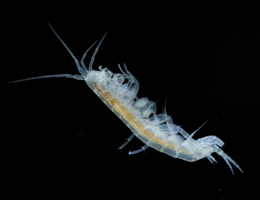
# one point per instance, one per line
(211, 140)
(128, 140)
(198, 129)
(226, 158)
(139, 150)
(129, 76)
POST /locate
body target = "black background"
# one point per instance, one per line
(58, 135)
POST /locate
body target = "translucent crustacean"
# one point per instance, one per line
(119, 92)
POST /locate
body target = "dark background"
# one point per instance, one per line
(58, 135)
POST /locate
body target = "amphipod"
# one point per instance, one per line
(119, 92)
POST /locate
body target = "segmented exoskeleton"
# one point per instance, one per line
(119, 92)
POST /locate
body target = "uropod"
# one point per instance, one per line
(119, 92)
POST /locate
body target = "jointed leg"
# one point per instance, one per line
(128, 140)
(139, 150)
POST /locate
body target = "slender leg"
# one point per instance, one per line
(139, 150)
(226, 158)
(198, 128)
(211, 140)
(128, 140)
